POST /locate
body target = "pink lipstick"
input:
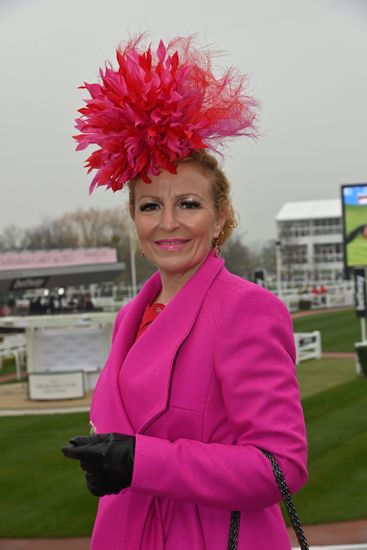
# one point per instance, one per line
(171, 244)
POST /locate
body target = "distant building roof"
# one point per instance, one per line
(309, 210)
(57, 268)
(66, 257)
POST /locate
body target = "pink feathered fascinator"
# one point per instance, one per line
(157, 108)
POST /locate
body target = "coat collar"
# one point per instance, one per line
(146, 370)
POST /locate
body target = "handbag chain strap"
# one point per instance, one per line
(287, 498)
(234, 529)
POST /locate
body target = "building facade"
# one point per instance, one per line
(310, 234)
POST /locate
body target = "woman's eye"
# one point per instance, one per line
(190, 204)
(148, 206)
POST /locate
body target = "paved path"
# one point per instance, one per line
(45, 544)
(14, 401)
(298, 314)
(351, 532)
(339, 355)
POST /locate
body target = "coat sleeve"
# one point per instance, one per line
(254, 363)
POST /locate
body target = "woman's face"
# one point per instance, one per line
(175, 219)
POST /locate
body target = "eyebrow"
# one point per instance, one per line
(182, 196)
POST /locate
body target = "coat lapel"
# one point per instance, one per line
(108, 412)
(145, 374)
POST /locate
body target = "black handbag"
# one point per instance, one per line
(234, 527)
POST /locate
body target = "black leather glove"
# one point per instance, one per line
(107, 459)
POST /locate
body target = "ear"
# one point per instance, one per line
(221, 220)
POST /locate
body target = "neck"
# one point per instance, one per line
(173, 282)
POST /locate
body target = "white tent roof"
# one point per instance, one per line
(307, 210)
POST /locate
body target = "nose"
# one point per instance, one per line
(169, 220)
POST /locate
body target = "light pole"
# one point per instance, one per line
(278, 258)
(132, 240)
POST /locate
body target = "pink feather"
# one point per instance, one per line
(156, 109)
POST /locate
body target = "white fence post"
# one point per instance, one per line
(308, 345)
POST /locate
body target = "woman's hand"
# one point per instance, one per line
(107, 459)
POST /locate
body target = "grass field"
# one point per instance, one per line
(355, 215)
(7, 369)
(357, 249)
(317, 376)
(337, 435)
(44, 494)
(339, 329)
(8, 366)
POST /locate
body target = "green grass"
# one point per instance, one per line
(7, 370)
(319, 375)
(357, 249)
(337, 436)
(44, 494)
(355, 215)
(8, 366)
(339, 329)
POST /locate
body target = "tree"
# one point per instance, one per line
(265, 256)
(238, 257)
(94, 227)
(44, 236)
(81, 229)
(11, 239)
(112, 228)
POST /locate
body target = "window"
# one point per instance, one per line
(295, 228)
(326, 226)
(328, 252)
(294, 254)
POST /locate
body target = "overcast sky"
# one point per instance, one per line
(307, 61)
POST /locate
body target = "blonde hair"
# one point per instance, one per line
(221, 192)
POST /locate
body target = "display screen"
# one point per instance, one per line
(354, 201)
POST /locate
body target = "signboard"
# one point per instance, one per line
(61, 349)
(28, 283)
(56, 385)
(359, 276)
(307, 340)
(354, 203)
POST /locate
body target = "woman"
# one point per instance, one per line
(199, 380)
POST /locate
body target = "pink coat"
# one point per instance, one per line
(208, 384)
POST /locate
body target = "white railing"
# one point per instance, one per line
(308, 345)
(335, 297)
